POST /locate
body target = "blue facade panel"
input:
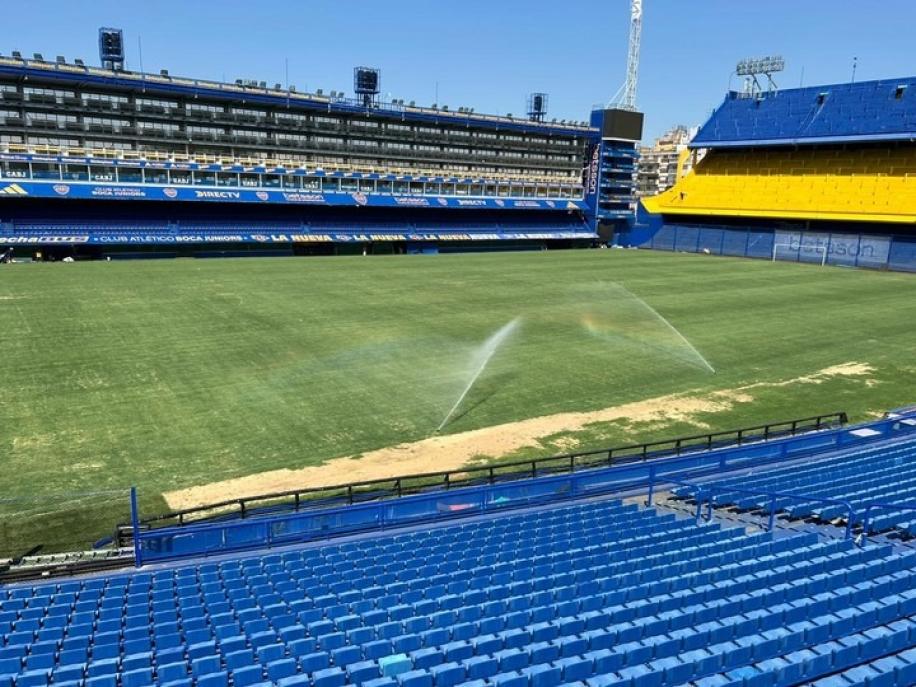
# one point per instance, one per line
(874, 251)
(664, 239)
(686, 240)
(902, 255)
(711, 240)
(760, 244)
(734, 243)
(812, 247)
(845, 249)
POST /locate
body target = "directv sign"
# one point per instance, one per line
(82, 190)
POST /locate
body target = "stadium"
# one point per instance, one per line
(411, 427)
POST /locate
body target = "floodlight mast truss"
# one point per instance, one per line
(627, 100)
(761, 66)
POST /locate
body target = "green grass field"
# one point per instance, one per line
(178, 373)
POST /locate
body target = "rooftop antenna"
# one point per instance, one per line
(287, 83)
(627, 100)
(855, 63)
(140, 58)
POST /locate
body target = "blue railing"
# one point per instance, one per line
(704, 494)
(211, 538)
(869, 507)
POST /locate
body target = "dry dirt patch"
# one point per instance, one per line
(851, 369)
(452, 451)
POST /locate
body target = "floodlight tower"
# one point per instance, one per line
(610, 174)
(367, 85)
(111, 48)
(628, 98)
(537, 107)
(761, 66)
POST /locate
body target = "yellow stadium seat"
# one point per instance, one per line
(869, 184)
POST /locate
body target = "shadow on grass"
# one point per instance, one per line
(55, 524)
(486, 390)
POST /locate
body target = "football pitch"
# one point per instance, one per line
(177, 374)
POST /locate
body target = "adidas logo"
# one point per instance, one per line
(13, 190)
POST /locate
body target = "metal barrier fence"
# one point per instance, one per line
(238, 534)
(893, 252)
(867, 519)
(705, 495)
(397, 487)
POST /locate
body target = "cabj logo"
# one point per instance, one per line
(61, 189)
(360, 198)
(263, 195)
(500, 202)
(442, 201)
(170, 192)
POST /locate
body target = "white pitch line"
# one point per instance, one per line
(28, 327)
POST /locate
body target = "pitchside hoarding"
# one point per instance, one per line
(189, 238)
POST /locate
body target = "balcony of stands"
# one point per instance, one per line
(84, 115)
(255, 142)
(866, 111)
(272, 123)
(320, 176)
(67, 75)
(870, 182)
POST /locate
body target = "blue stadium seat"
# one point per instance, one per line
(593, 594)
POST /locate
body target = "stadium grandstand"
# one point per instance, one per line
(541, 581)
(817, 174)
(288, 172)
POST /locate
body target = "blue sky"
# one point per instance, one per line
(488, 54)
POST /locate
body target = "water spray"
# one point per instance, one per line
(671, 327)
(480, 360)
